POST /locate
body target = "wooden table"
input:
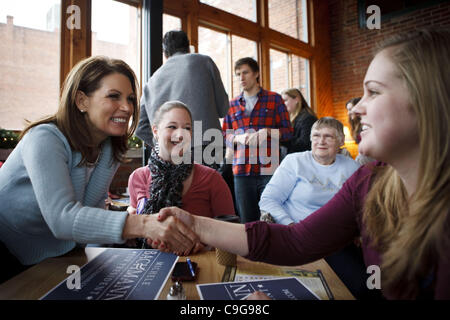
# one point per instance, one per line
(38, 280)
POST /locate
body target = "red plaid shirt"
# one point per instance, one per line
(268, 112)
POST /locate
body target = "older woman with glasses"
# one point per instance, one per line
(305, 181)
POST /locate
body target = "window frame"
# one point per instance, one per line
(229, 37)
(76, 44)
(193, 14)
(290, 70)
(229, 82)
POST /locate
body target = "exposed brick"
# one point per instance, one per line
(352, 47)
(30, 70)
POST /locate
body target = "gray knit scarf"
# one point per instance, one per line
(167, 183)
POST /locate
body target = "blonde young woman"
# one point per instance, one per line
(401, 207)
(302, 119)
(167, 181)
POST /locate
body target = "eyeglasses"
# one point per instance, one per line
(327, 137)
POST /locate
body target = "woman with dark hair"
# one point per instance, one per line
(54, 184)
(353, 119)
(356, 128)
(302, 119)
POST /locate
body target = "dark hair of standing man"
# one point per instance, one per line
(175, 41)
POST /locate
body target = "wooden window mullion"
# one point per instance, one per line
(75, 42)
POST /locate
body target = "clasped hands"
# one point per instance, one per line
(175, 231)
(171, 230)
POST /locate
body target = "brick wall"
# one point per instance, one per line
(351, 47)
(29, 74)
(30, 67)
(286, 16)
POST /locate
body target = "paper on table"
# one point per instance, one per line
(311, 279)
(119, 274)
(278, 289)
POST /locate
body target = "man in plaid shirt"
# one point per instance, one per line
(256, 123)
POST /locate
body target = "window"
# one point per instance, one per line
(289, 71)
(216, 45)
(243, 8)
(116, 32)
(300, 76)
(252, 28)
(279, 71)
(29, 61)
(170, 23)
(240, 48)
(289, 17)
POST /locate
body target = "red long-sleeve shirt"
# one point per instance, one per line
(269, 112)
(329, 229)
(208, 195)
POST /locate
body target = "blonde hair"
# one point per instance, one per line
(301, 105)
(411, 232)
(166, 107)
(87, 76)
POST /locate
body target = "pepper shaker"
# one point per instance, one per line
(176, 292)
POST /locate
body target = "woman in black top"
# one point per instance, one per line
(302, 118)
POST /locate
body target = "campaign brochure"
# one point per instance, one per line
(277, 289)
(118, 274)
(313, 280)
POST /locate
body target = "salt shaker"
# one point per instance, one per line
(176, 292)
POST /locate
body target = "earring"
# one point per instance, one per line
(83, 111)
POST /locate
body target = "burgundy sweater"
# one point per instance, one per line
(328, 230)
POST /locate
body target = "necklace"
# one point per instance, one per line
(93, 164)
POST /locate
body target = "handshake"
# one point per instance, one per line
(175, 230)
(170, 230)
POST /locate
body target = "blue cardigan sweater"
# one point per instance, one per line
(46, 203)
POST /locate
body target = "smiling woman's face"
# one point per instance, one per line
(389, 124)
(173, 133)
(324, 145)
(109, 108)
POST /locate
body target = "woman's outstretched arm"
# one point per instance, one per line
(227, 236)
